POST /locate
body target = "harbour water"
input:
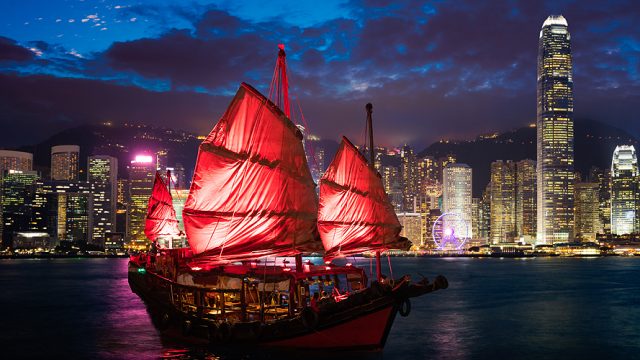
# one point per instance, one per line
(552, 308)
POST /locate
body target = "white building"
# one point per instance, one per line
(457, 198)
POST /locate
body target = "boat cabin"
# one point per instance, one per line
(251, 290)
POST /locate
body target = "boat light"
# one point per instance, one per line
(349, 264)
(196, 268)
(327, 267)
(142, 270)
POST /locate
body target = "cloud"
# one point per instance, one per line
(37, 106)
(433, 69)
(10, 50)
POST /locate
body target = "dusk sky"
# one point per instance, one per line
(432, 70)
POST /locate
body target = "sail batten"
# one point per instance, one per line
(252, 194)
(355, 214)
(161, 216)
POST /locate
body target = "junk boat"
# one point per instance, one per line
(251, 212)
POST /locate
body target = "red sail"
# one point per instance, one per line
(161, 216)
(355, 214)
(252, 194)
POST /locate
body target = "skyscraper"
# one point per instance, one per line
(526, 199)
(624, 191)
(18, 193)
(69, 206)
(555, 174)
(141, 175)
(15, 160)
(409, 173)
(587, 220)
(456, 193)
(503, 201)
(603, 178)
(65, 162)
(102, 174)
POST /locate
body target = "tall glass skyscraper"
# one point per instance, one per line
(555, 133)
(624, 191)
(65, 162)
(456, 197)
(102, 174)
(142, 173)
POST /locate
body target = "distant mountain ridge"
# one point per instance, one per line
(594, 143)
(120, 141)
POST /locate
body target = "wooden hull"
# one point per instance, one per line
(364, 326)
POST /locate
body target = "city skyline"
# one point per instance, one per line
(417, 76)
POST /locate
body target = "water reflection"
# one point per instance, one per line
(538, 308)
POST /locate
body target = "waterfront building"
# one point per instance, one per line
(179, 176)
(431, 219)
(555, 173)
(476, 216)
(162, 161)
(65, 161)
(526, 200)
(624, 191)
(456, 197)
(503, 201)
(102, 175)
(32, 240)
(18, 193)
(179, 198)
(389, 175)
(484, 216)
(409, 175)
(15, 160)
(122, 200)
(587, 220)
(69, 205)
(412, 227)
(603, 178)
(142, 172)
(314, 153)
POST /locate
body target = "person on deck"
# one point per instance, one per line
(314, 302)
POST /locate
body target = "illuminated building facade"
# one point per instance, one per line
(484, 214)
(69, 206)
(409, 173)
(456, 197)
(503, 201)
(65, 162)
(15, 160)
(526, 199)
(102, 175)
(412, 227)
(122, 219)
(603, 178)
(587, 220)
(18, 193)
(555, 174)
(141, 176)
(624, 191)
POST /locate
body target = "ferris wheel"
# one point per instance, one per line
(450, 231)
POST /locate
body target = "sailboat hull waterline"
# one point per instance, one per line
(361, 321)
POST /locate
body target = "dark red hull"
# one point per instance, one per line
(362, 327)
(366, 331)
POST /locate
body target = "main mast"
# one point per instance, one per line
(372, 166)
